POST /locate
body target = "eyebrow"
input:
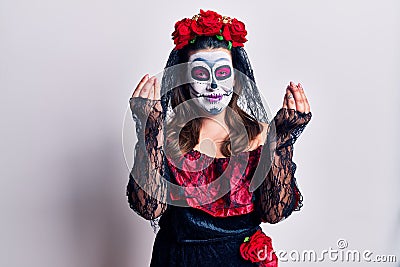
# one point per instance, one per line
(202, 59)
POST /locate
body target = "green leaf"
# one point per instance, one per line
(229, 45)
(192, 41)
(246, 239)
(219, 37)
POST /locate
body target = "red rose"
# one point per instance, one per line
(235, 32)
(209, 23)
(258, 248)
(183, 33)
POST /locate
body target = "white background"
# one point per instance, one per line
(68, 68)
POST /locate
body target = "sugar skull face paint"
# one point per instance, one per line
(211, 80)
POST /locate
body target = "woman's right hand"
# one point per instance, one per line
(147, 89)
(294, 115)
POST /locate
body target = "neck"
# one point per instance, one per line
(214, 123)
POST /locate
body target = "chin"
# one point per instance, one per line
(214, 111)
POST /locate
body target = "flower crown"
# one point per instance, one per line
(209, 23)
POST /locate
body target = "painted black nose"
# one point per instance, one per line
(213, 85)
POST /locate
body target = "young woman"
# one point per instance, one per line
(209, 165)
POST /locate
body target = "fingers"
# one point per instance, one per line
(157, 95)
(306, 104)
(298, 97)
(285, 104)
(151, 91)
(290, 99)
(140, 85)
(295, 98)
(157, 90)
(147, 87)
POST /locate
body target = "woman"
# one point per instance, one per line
(209, 166)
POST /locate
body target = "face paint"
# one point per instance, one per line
(211, 80)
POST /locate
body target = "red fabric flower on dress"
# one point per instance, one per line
(200, 177)
(258, 248)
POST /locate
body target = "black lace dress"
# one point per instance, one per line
(211, 234)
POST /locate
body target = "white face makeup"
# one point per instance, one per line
(211, 80)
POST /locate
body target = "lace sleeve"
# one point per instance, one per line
(146, 190)
(278, 195)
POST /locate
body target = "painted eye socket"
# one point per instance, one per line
(223, 72)
(200, 73)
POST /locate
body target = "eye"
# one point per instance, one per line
(200, 73)
(223, 72)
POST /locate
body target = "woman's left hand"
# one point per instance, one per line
(295, 98)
